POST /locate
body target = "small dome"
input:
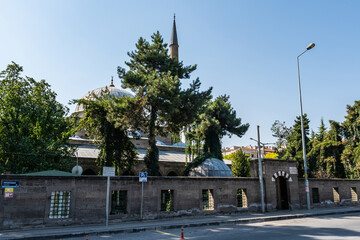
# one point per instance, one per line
(113, 91)
(211, 167)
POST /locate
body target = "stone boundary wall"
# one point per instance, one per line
(31, 203)
(326, 191)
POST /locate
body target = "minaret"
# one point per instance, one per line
(174, 46)
(112, 82)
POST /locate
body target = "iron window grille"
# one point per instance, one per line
(207, 199)
(241, 198)
(60, 204)
(118, 202)
(167, 200)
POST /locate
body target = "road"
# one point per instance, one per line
(342, 226)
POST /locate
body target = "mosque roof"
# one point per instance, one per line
(92, 152)
(113, 92)
(211, 167)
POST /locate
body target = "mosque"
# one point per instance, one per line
(172, 157)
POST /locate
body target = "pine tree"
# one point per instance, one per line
(294, 151)
(322, 131)
(160, 105)
(218, 120)
(325, 155)
(351, 131)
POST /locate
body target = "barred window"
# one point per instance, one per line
(207, 199)
(167, 200)
(118, 202)
(60, 204)
(315, 195)
(241, 198)
(336, 194)
(354, 196)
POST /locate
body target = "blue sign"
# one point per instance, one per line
(142, 176)
(10, 184)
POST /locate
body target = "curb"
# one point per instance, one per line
(164, 227)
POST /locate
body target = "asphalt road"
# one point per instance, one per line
(343, 226)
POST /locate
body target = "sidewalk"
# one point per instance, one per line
(161, 224)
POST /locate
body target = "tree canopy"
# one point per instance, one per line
(160, 106)
(330, 153)
(325, 152)
(294, 149)
(240, 166)
(33, 126)
(116, 149)
(219, 119)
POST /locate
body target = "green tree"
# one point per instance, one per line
(351, 132)
(240, 166)
(160, 106)
(294, 149)
(281, 132)
(33, 126)
(322, 131)
(218, 120)
(325, 154)
(116, 149)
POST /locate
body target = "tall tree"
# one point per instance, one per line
(116, 149)
(33, 126)
(322, 131)
(218, 120)
(160, 105)
(351, 130)
(294, 149)
(325, 154)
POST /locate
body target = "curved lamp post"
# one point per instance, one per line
(310, 46)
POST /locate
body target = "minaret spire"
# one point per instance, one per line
(112, 82)
(174, 46)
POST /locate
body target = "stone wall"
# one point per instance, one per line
(270, 168)
(326, 192)
(30, 205)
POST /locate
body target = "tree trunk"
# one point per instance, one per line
(212, 144)
(152, 153)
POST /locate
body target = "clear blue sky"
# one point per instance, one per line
(246, 49)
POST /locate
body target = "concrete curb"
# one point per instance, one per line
(113, 230)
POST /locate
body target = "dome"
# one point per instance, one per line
(113, 91)
(211, 167)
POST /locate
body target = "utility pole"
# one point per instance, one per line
(260, 172)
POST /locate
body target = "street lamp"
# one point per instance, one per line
(310, 46)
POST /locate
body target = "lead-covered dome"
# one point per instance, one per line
(113, 91)
(211, 167)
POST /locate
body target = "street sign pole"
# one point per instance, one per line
(107, 201)
(142, 179)
(108, 172)
(142, 194)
